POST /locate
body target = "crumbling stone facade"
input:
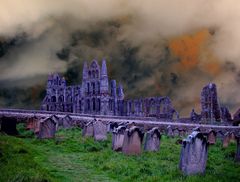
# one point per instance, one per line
(97, 95)
(212, 111)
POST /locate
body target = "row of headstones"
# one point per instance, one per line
(211, 135)
(129, 140)
(47, 127)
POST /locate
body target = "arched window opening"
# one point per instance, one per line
(93, 104)
(93, 87)
(99, 104)
(88, 88)
(53, 99)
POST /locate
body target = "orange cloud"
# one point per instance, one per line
(188, 49)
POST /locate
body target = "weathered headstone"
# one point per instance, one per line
(66, 122)
(232, 137)
(111, 126)
(226, 140)
(152, 141)
(211, 137)
(169, 131)
(88, 129)
(118, 137)
(47, 128)
(132, 141)
(99, 130)
(32, 123)
(194, 154)
(57, 120)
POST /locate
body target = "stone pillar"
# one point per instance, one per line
(117, 138)
(152, 142)
(132, 141)
(194, 153)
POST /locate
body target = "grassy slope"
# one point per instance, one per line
(69, 157)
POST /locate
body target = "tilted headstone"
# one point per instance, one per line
(237, 157)
(211, 137)
(169, 131)
(226, 140)
(194, 154)
(118, 137)
(132, 141)
(152, 141)
(47, 128)
(99, 130)
(88, 129)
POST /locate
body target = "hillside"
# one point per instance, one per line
(69, 157)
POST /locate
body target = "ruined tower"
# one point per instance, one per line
(209, 103)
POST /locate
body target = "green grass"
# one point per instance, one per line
(70, 157)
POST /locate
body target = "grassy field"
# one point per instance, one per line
(70, 157)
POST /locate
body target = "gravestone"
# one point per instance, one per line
(226, 140)
(32, 123)
(88, 129)
(132, 141)
(232, 137)
(99, 130)
(169, 131)
(57, 120)
(211, 137)
(111, 126)
(66, 122)
(118, 137)
(47, 128)
(194, 153)
(152, 141)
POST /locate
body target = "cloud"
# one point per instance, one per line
(205, 32)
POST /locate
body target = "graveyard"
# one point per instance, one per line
(70, 156)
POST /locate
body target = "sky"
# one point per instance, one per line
(201, 36)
